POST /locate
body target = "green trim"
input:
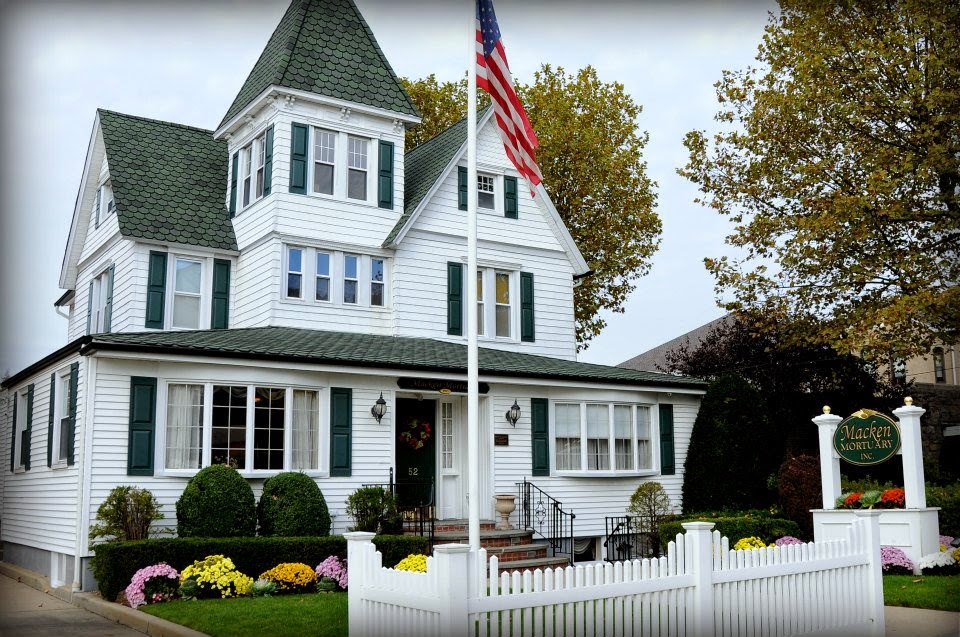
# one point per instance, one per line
(510, 208)
(668, 466)
(220, 304)
(385, 176)
(72, 423)
(143, 418)
(108, 306)
(268, 162)
(235, 167)
(156, 289)
(341, 431)
(13, 434)
(454, 298)
(461, 188)
(540, 436)
(50, 416)
(28, 432)
(527, 323)
(96, 208)
(299, 145)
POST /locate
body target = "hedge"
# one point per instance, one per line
(734, 528)
(114, 563)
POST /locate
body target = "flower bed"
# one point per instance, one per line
(888, 499)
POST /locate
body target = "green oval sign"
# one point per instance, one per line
(867, 438)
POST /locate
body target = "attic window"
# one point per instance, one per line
(485, 190)
(108, 197)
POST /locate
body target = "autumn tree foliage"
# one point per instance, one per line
(591, 157)
(838, 162)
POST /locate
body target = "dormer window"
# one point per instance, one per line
(357, 168)
(108, 198)
(485, 192)
(186, 293)
(252, 170)
(324, 154)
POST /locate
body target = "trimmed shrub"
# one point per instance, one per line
(292, 505)
(374, 509)
(126, 514)
(217, 502)
(798, 484)
(767, 529)
(114, 563)
(948, 499)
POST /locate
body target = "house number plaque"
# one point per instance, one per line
(501, 440)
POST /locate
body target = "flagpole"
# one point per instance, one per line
(473, 398)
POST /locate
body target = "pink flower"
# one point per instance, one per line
(152, 577)
(332, 567)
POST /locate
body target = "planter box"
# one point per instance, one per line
(916, 532)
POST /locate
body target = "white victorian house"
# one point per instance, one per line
(245, 295)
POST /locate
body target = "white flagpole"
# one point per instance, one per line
(473, 398)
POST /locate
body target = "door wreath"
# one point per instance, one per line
(415, 433)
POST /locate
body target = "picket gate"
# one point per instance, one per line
(700, 588)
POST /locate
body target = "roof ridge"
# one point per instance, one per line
(291, 43)
(154, 120)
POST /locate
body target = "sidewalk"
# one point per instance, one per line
(27, 611)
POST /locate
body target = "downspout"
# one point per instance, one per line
(84, 472)
(953, 361)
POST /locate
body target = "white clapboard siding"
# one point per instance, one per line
(122, 254)
(420, 300)
(96, 236)
(39, 507)
(256, 284)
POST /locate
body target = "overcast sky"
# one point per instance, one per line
(184, 62)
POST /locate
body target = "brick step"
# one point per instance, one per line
(533, 564)
(453, 526)
(517, 552)
(487, 538)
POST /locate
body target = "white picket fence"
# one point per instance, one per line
(701, 588)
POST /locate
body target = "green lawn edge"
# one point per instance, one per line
(931, 592)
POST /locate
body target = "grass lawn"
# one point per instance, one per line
(936, 592)
(317, 614)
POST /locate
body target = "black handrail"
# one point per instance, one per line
(544, 515)
(417, 516)
(629, 538)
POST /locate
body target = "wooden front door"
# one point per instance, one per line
(416, 451)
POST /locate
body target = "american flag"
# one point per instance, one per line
(493, 76)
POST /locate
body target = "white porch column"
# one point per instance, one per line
(911, 449)
(829, 460)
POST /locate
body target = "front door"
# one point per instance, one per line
(416, 451)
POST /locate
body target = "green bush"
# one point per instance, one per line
(374, 510)
(114, 563)
(292, 505)
(126, 514)
(217, 502)
(765, 528)
(948, 499)
(798, 484)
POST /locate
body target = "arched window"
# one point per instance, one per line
(939, 371)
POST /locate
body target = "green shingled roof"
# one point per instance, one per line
(169, 181)
(423, 166)
(325, 47)
(370, 350)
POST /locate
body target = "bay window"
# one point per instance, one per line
(252, 170)
(268, 408)
(184, 426)
(305, 441)
(323, 276)
(316, 275)
(602, 437)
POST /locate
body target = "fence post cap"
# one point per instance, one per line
(698, 526)
(359, 536)
(451, 548)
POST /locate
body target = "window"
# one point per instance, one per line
(324, 152)
(61, 422)
(898, 370)
(245, 427)
(939, 366)
(480, 310)
(252, 170)
(485, 192)
(261, 149)
(446, 435)
(504, 310)
(350, 278)
(246, 163)
(99, 302)
(495, 303)
(186, 293)
(323, 276)
(294, 273)
(357, 151)
(107, 198)
(602, 437)
(376, 282)
(21, 444)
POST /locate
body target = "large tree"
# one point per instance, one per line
(591, 156)
(838, 161)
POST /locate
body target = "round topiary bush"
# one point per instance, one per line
(292, 505)
(217, 502)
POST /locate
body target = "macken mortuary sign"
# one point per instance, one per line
(867, 438)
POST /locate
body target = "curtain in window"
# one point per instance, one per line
(184, 423)
(598, 437)
(643, 438)
(623, 436)
(306, 430)
(568, 437)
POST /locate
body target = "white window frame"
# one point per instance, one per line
(19, 427)
(203, 295)
(337, 277)
(61, 416)
(354, 279)
(322, 451)
(611, 470)
(98, 303)
(358, 162)
(487, 184)
(342, 163)
(331, 160)
(382, 282)
(285, 283)
(107, 203)
(487, 306)
(327, 276)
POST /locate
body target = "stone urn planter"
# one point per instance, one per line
(506, 504)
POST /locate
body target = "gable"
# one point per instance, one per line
(325, 47)
(80, 223)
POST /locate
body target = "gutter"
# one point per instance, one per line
(63, 352)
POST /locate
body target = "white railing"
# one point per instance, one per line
(700, 589)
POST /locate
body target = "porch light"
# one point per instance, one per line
(379, 408)
(513, 414)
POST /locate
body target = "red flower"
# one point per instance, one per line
(852, 499)
(893, 498)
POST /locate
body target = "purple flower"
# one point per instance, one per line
(946, 540)
(332, 567)
(788, 539)
(893, 560)
(137, 593)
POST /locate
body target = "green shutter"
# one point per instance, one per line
(385, 180)
(28, 432)
(89, 306)
(96, 209)
(667, 457)
(233, 184)
(341, 430)
(540, 436)
(454, 298)
(108, 308)
(220, 310)
(143, 404)
(268, 162)
(51, 415)
(156, 289)
(298, 159)
(527, 332)
(510, 197)
(461, 187)
(72, 423)
(13, 434)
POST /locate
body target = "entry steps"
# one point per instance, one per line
(515, 548)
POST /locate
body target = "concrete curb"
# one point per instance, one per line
(92, 602)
